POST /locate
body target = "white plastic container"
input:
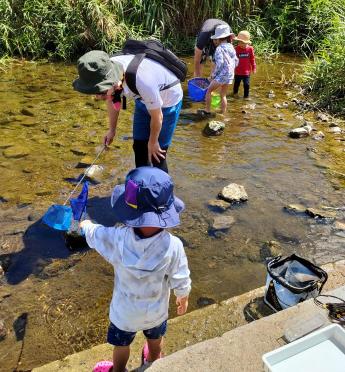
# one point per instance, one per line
(320, 351)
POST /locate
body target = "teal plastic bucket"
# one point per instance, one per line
(197, 89)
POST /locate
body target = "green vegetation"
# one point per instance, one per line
(65, 29)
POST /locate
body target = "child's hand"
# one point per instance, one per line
(182, 305)
(82, 223)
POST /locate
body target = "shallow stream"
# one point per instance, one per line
(54, 302)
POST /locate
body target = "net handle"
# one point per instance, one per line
(84, 175)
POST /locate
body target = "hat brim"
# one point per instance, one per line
(85, 87)
(243, 41)
(214, 37)
(136, 218)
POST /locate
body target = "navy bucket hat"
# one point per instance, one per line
(147, 199)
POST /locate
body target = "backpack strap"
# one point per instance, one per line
(131, 73)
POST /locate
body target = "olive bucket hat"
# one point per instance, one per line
(97, 73)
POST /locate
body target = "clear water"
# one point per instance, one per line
(55, 302)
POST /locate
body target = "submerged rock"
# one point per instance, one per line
(270, 248)
(319, 213)
(218, 205)
(339, 225)
(271, 94)
(205, 301)
(222, 222)
(295, 208)
(27, 112)
(233, 193)
(214, 128)
(16, 152)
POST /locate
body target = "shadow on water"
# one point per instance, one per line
(42, 244)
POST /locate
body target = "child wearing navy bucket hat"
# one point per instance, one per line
(148, 262)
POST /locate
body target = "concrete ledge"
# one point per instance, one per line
(241, 347)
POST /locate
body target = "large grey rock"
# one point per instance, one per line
(214, 128)
(222, 222)
(233, 193)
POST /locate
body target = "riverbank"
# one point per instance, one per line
(213, 323)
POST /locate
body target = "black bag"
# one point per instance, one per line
(291, 280)
(155, 50)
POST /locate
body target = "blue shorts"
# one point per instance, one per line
(118, 337)
(142, 119)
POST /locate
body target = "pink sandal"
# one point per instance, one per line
(145, 354)
(103, 366)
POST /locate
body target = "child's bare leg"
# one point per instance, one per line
(155, 349)
(212, 87)
(120, 358)
(223, 92)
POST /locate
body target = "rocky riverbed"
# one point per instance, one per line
(48, 137)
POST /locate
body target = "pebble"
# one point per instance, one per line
(319, 136)
(322, 117)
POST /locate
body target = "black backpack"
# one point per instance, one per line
(155, 50)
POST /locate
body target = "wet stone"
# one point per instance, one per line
(295, 208)
(336, 130)
(214, 128)
(27, 112)
(205, 301)
(3, 330)
(16, 152)
(319, 213)
(29, 121)
(318, 136)
(271, 94)
(322, 117)
(222, 222)
(277, 105)
(233, 193)
(94, 171)
(85, 162)
(218, 205)
(79, 152)
(300, 132)
(270, 248)
(339, 225)
(277, 117)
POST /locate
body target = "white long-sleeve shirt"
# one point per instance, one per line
(145, 271)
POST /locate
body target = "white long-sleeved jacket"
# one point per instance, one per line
(145, 271)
